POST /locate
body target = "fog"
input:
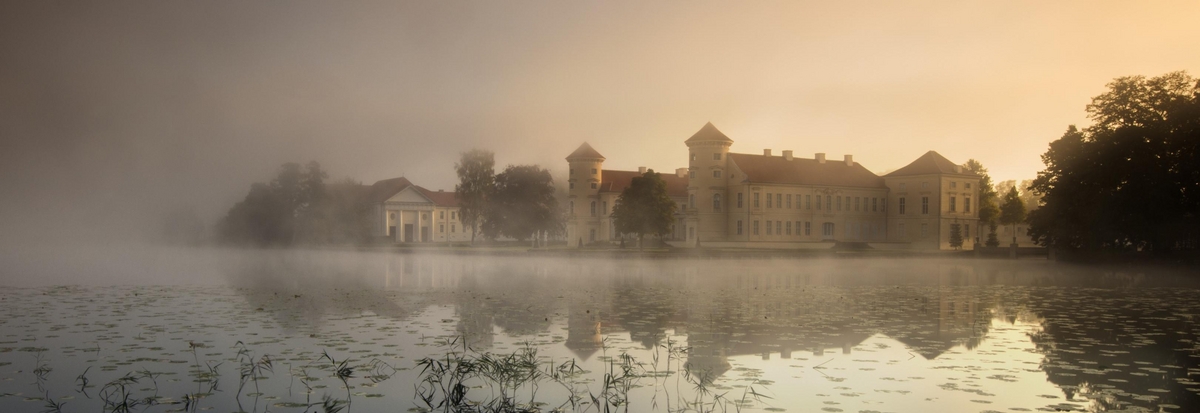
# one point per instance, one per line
(112, 115)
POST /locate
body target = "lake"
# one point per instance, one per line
(292, 330)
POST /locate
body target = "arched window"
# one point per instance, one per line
(716, 202)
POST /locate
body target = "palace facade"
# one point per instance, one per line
(408, 213)
(783, 201)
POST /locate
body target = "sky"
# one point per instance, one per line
(113, 112)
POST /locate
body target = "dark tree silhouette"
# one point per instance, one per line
(956, 238)
(644, 207)
(988, 210)
(476, 177)
(1131, 181)
(522, 204)
(296, 206)
(1012, 211)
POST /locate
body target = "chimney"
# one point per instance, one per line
(766, 152)
(787, 155)
(849, 160)
(820, 157)
(681, 172)
(641, 170)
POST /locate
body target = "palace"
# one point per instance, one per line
(782, 201)
(408, 213)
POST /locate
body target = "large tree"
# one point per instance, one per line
(476, 177)
(522, 204)
(988, 210)
(644, 207)
(1012, 211)
(1132, 179)
(281, 212)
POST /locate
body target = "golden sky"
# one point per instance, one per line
(188, 102)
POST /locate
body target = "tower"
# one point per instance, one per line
(708, 185)
(583, 183)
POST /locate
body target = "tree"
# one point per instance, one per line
(522, 204)
(278, 212)
(956, 238)
(988, 211)
(1012, 211)
(476, 177)
(1130, 181)
(644, 207)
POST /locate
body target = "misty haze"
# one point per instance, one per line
(599, 207)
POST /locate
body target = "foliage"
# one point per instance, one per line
(956, 236)
(1131, 181)
(297, 206)
(644, 207)
(522, 204)
(1012, 211)
(476, 177)
(988, 210)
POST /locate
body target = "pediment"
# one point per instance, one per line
(410, 195)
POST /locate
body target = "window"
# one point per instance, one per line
(441, 214)
(572, 171)
(789, 204)
(779, 200)
(808, 202)
(593, 171)
(769, 198)
(924, 230)
(571, 210)
(716, 202)
(828, 200)
(967, 185)
(924, 205)
(856, 199)
(953, 204)
(693, 156)
(740, 200)
(789, 228)
(739, 227)
(756, 199)
(571, 185)
(901, 205)
(593, 208)
(778, 227)
(755, 227)
(902, 186)
(692, 201)
(453, 227)
(839, 203)
(442, 228)
(604, 208)
(953, 185)
(393, 216)
(966, 204)
(827, 229)
(717, 156)
(874, 204)
(807, 228)
(924, 185)
(452, 214)
(593, 185)
(768, 227)
(692, 174)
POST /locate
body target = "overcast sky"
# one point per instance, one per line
(111, 112)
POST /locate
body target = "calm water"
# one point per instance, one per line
(902, 335)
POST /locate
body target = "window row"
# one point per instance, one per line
(831, 203)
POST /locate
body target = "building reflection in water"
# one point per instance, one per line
(780, 309)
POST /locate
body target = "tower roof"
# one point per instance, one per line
(707, 134)
(931, 163)
(585, 151)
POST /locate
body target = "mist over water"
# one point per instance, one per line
(810, 334)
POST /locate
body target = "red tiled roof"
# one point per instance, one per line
(708, 133)
(776, 169)
(931, 163)
(585, 151)
(383, 190)
(617, 181)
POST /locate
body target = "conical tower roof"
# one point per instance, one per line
(585, 151)
(707, 134)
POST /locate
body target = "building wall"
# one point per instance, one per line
(926, 217)
(708, 177)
